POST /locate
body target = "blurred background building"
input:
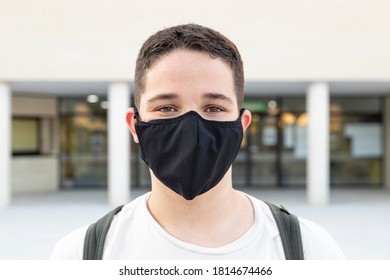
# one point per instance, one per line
(317, 83)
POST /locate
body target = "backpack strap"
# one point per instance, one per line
(96, 236)
(290, 232)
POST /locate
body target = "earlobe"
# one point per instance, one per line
(246, 119)
(130, 120)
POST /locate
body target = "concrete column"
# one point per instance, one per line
(118, 144)
(5, 145)
(317, 103)
(386, 159)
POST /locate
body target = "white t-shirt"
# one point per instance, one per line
(135, 234)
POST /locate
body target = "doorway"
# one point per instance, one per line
(83, 144)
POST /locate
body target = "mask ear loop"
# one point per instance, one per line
(136, 114)
(241, 112)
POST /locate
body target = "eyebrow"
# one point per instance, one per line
(209, 95)
(218, 96)
(163, 96)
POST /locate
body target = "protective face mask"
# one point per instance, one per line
(189, 154)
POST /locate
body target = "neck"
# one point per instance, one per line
(212, 219)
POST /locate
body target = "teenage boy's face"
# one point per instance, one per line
(188, 80)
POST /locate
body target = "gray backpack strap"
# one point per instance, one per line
(290, 232)
(96, 236)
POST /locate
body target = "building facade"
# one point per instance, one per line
(317, 84)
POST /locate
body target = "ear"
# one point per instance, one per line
(246, 119)
(130, 120)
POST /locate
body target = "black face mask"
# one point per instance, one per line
(189, 154)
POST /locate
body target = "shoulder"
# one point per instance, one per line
(71, 246)
(317, 242)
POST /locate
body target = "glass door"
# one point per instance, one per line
(83, 158)
(274, 150)
(257, 162)
(274, 147)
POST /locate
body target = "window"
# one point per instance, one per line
(356, 140)
(25, 136)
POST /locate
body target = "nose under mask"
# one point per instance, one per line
(189, 154)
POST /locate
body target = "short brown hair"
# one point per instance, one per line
(188, 37)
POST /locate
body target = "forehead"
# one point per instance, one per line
(197, 70)
(189, 59)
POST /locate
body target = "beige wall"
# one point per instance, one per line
(34, 106)
(280, 40)
(37, 173)
(34, 174)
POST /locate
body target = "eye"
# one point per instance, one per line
(166, 109)
(214, 109)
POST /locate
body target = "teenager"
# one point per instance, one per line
(189, 123)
